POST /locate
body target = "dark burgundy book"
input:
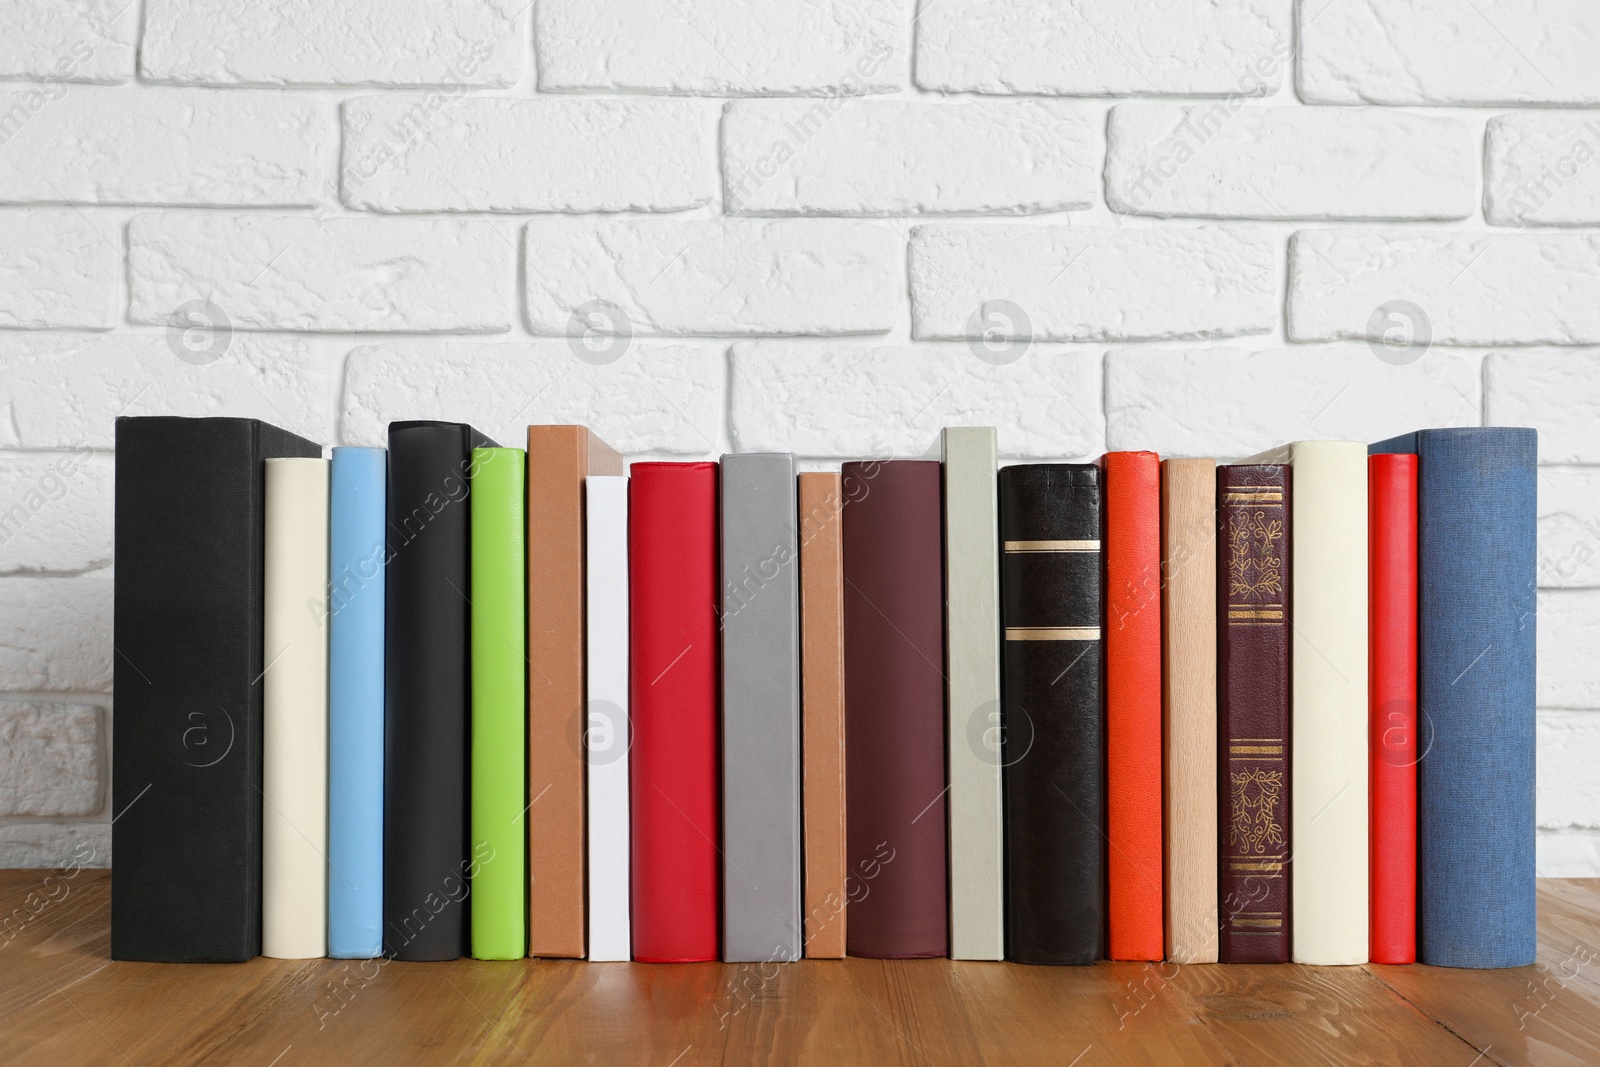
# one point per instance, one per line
(1253, 712)
(894, 710)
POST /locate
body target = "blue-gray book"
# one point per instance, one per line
(356, 549)
(1476, 523)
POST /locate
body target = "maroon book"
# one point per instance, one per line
(1253, 712)
(894, 710)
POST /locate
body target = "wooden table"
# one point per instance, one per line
(63, 1001)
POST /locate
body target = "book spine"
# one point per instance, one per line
(559, 459)
(822, 691)
(1189, 693)
(674, 772)
(1052, 719)
(1392, 484)
(425, 847)
(356, 555)
(760, 710)
(1476, 523)
(972, 626)
(294, 751)
(498, 581)
(1133, 704)
(1254, 596)
(1329, 702)
(894, 709)
(186, 739)
(607, 735)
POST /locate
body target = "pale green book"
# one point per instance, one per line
(498, 780)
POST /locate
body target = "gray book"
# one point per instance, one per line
(972, 628)
(760, 710)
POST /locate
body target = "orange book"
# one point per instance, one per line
(559, 459)
(1132, 642)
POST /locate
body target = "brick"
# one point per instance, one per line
(1540, 169)
(68, 845)
(1569, 527)
(86, 41)
(1228, 159)
(50, 756)
(894, 157)
(65, 391)
(1439, 52)
(1568, 853)
(839, 400)
(1556, 392)
(1569, 750)
(810, 276)
(55, 634)
(436, 152)
(656, 398)
(1473, 288)
(722, 47)
(1082, 283)
(1569, 633)
(60, 271)
(1103, 47)
(301, 273)
(355, 42)
(1228, 403)
(92, 145)
(55, 512)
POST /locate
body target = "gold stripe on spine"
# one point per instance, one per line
(1052, 546)
(1052, 633)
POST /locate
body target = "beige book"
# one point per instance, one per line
(1189, 705)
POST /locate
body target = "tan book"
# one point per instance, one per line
(559, 459)
(822, 713)
(1189, 705)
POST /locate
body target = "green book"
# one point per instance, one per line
(498, 780)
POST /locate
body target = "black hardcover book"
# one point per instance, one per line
(186, 738)
(426, 858)
(1052, 715)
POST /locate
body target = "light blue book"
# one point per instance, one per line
(357, 551)
(1476, 521)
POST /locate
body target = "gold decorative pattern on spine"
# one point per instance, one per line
(1254, 808)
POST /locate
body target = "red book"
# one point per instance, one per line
(1392, 677)
(674, 768)
(1132, 554)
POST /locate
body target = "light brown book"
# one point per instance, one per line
(559, 459)
(822, 714)
(1189, 705)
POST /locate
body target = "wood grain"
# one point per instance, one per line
(62, 1000)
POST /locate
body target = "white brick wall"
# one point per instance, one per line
(831, 226)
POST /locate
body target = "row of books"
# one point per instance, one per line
(451, 698)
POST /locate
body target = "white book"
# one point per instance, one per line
(607, 735)
(294, 755)
(972, 628)
(1328, 753)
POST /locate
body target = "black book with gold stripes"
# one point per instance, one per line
(1053, 713)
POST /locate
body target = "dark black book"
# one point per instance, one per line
(1052, 714)
(427, 863)
(186, 738)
